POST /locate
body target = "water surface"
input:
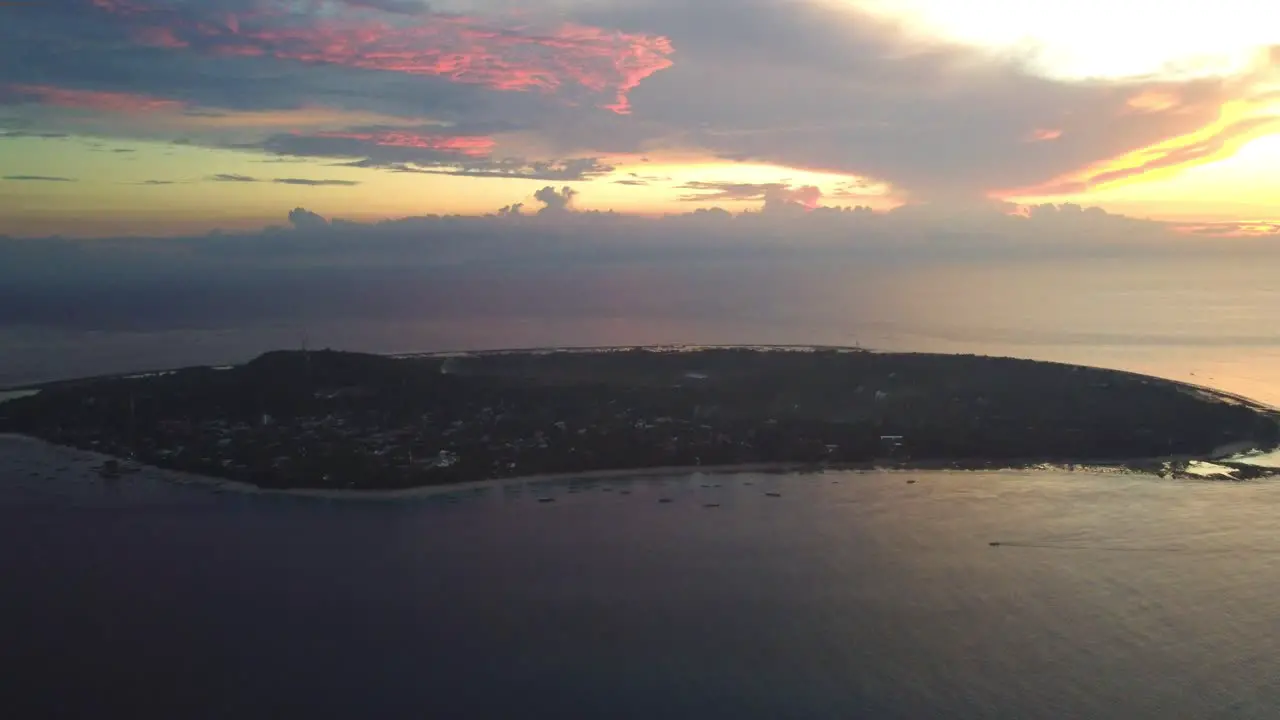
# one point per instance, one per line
(849, 595)
(1204, 318)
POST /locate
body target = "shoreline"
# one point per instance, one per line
(73, 456)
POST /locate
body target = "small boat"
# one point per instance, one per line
(546, 499)
(774, 494)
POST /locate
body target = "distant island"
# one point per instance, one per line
(352, 421)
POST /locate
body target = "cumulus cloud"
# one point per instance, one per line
(559, 264)
(304, 219)
(555, 201)
(805, 197)
(774, 195)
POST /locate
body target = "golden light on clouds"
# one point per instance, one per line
(678, 183)
(1153, 101)
(1239, 123)
(1146, 108)
(1102, 38)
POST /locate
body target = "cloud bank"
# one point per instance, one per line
(320, 266)
(554, 94)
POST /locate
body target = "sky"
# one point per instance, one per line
(175, 118)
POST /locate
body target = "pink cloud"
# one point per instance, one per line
(233, 50)
(806, 196)
(463, 49)
(471, 145)
(159, 36)
(1045, 135)
(92, 99)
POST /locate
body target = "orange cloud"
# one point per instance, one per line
(463, 49)
(93, 99)
(1239, 122)
(471, 145)
(1153, 101)
(1243, 229)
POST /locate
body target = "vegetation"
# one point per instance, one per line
(347, 420)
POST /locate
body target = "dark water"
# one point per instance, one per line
(848, 596)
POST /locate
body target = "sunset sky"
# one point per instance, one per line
(160, 117)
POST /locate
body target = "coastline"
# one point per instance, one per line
(70, 459)
(78, 459)
(1218, 394)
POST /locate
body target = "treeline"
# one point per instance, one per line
(336, 419)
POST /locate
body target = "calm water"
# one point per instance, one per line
(1204, 319)
(848, 596)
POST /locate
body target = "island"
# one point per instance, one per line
(351, 421)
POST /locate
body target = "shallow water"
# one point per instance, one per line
(848, 595)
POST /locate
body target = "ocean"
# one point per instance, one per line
(849, 595)
(1204, 318)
